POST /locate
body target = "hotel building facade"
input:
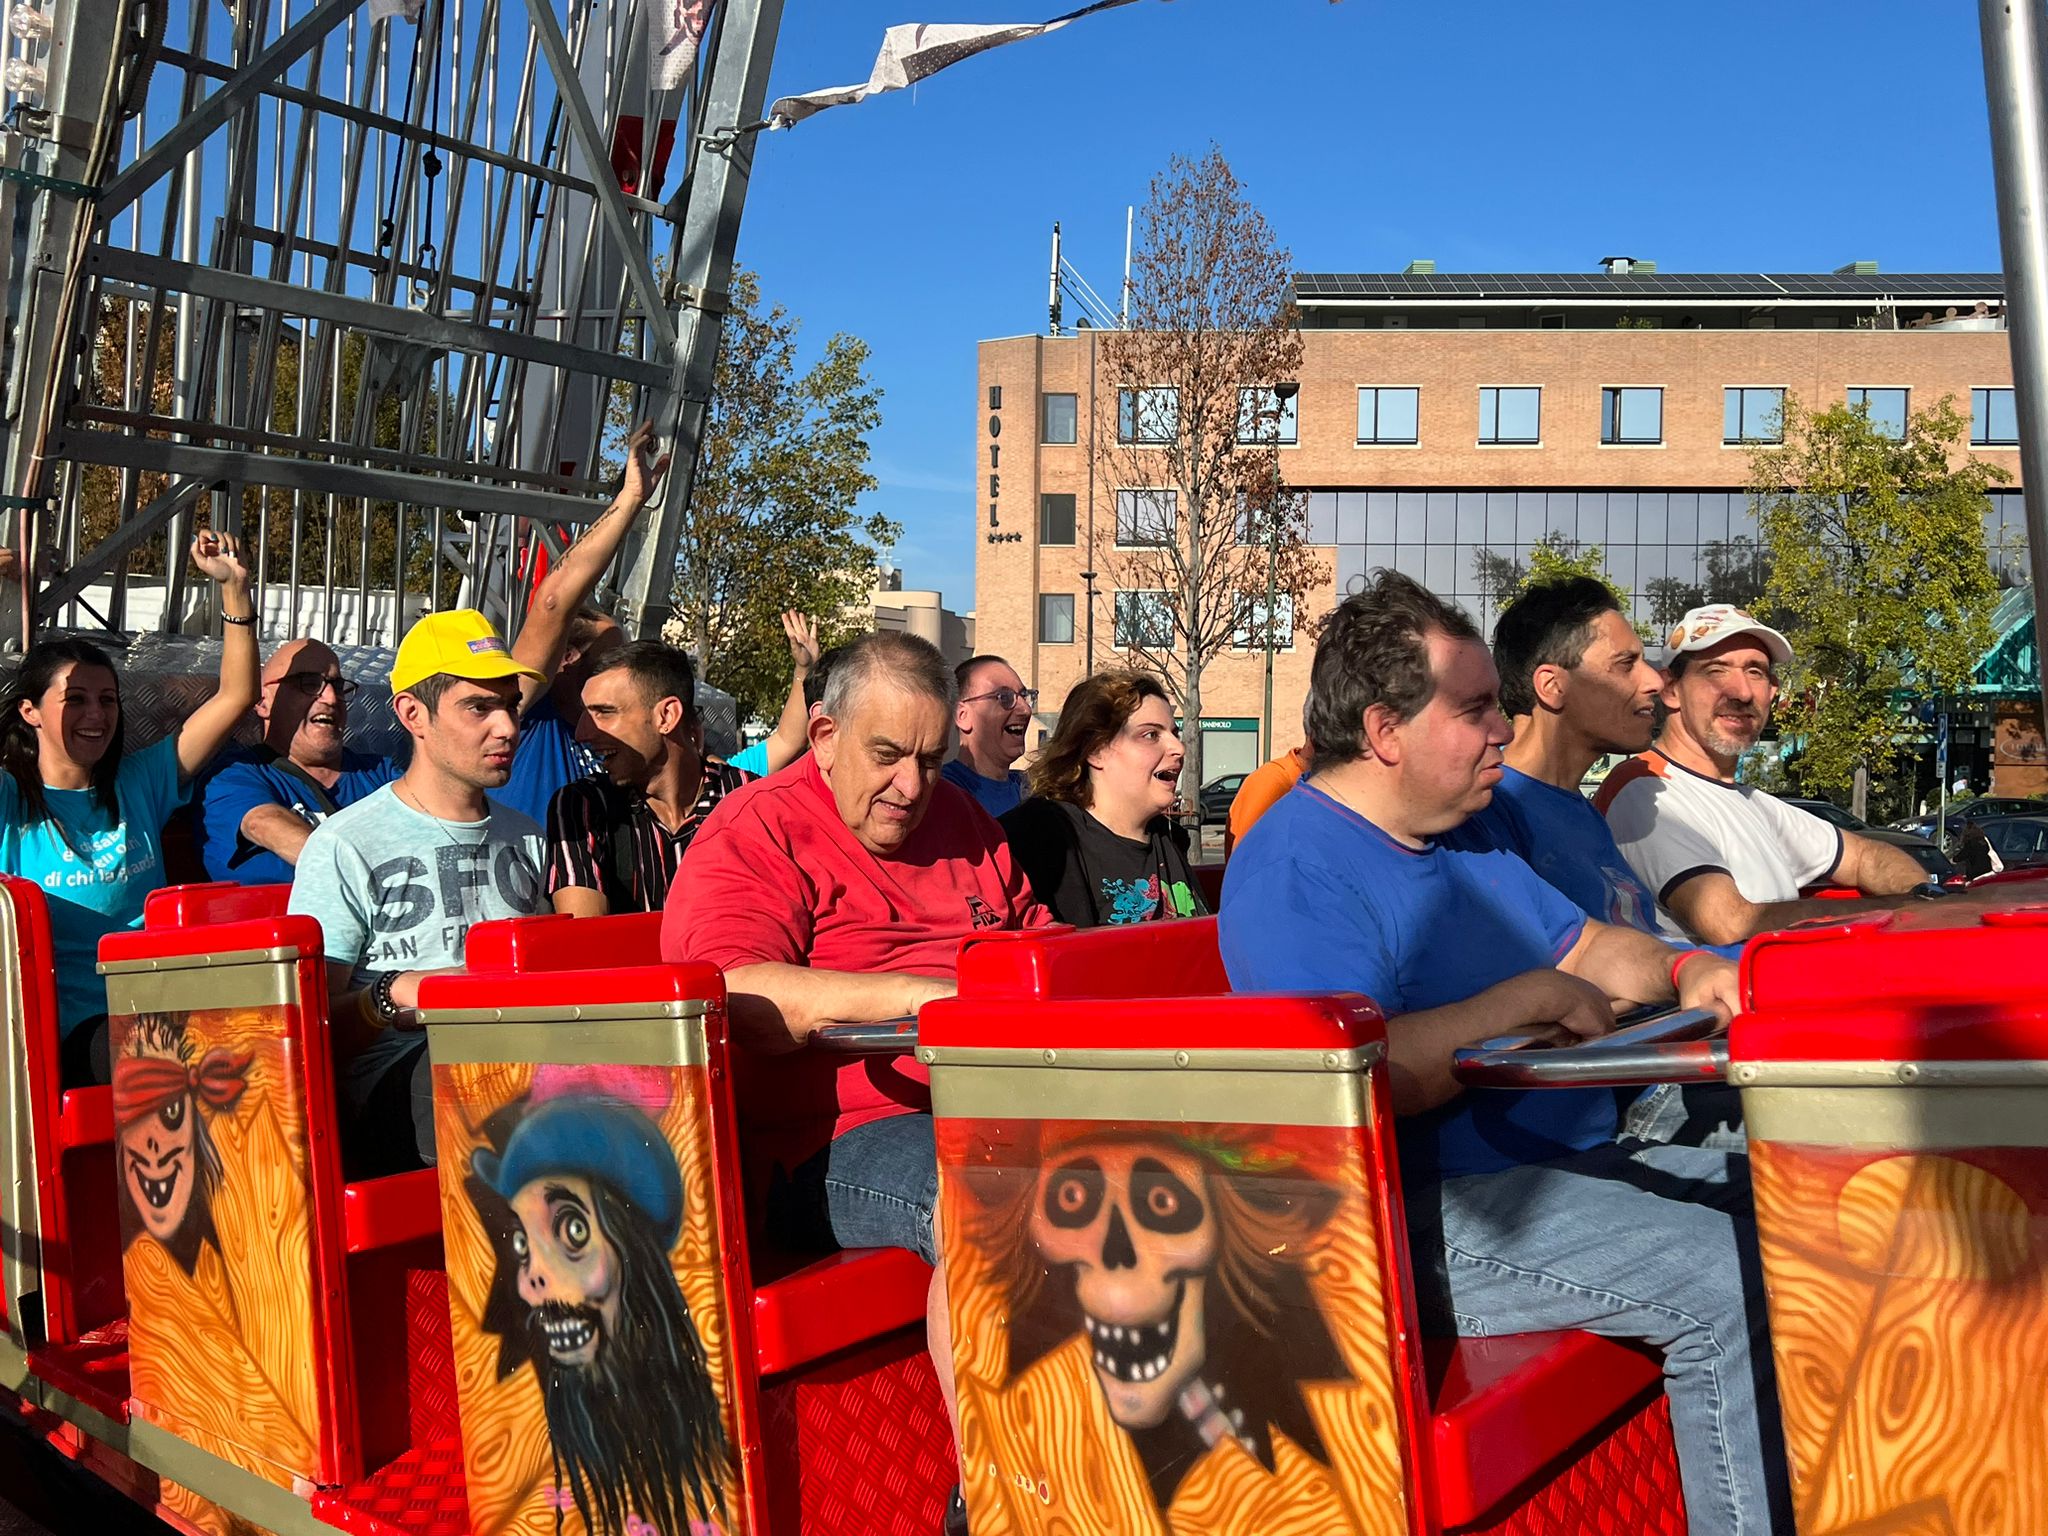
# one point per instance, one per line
(1445, 418)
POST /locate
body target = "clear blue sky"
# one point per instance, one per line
(1492, 135)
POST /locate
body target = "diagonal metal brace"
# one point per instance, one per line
(611, 201)
(248, 83)
(113, 549)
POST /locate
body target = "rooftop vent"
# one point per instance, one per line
(1618, 266)
(1857, 269)
(1421, 266)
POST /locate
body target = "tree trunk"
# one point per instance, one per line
(1191, 736)
(1859, 792)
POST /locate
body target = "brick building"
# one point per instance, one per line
(1445, 416)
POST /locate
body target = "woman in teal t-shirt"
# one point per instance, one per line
(85, 821)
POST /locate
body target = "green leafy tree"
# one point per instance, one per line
(771, 522)
(1670, 599)
(1502, 578)
(1879, 570)
(1738, 571)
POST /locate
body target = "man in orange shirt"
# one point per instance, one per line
(1255, 796)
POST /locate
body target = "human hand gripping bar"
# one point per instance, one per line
(1680, 1045)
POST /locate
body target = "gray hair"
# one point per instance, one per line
(911, 663)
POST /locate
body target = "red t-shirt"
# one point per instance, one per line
(775, 875)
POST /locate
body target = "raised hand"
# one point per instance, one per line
(218, 557)
(643, 471)
(802, 631)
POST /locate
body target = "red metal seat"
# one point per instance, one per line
(834, 1303)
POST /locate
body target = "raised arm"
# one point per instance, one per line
(219, 557)
(775, 1007)
(571, 579)
(791, 736)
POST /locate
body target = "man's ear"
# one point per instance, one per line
(1383, 733)
(412, 714)
(1668, 694)
(668, 714)
(824, 733)
(1547, 682)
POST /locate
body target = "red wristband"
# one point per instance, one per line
(1676, 965)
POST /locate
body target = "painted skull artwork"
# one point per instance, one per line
(170, 1169)
(583, 1199)
(1185, 1266)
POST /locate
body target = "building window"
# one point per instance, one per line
(1263, 417)
(1994, 423)
(1387, 415)
(1753, 415)
(1056, 518)
(995, 397)
(1059, 418)
(1055, 618)
(1887, 409)
(1146, 518)
(1510, 415)
(1249, 632)
(1144, 621)
(1147, 416)
(1631, 415)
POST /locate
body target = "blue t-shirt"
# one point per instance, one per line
(95, 867)
(252, 778)
(1557, 833)
(754, 760)
(1321, 900)
(998, 797)
(547, 757)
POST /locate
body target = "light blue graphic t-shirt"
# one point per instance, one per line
(398, 890)
(96, 867)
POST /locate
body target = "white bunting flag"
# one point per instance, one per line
(675, 28)
(912, 52)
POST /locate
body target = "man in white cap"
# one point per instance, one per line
(1725, 860)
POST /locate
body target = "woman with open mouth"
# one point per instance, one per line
(82, 818)
(1095, 838)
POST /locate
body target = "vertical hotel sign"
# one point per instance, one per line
(996, 533)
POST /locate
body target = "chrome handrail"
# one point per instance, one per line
(1681, 1045)
(876, 1037)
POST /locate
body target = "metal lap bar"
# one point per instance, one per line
(880, 1037)
(1675, 1047)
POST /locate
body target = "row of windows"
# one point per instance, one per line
(1629, 415)
(1143, 619)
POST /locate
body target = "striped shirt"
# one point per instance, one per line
(604, 837)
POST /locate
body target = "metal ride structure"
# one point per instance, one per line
(375, 285)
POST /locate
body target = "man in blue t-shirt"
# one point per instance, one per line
(992, 716)
(1527, 1213)
(258, 809)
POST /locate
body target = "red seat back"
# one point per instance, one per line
(1892, 1082)
(1181, 1208)
(1162, 959)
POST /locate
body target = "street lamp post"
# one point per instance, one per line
(1282, 393)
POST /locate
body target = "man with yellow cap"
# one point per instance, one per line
(398, 878)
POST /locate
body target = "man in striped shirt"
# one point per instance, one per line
(615, 839)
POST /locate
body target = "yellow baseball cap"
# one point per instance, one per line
(462, 643)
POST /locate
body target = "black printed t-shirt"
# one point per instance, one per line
(1090, 876)
(590, 818)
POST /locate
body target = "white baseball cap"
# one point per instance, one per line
(1706, 627)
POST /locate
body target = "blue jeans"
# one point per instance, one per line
(874, 1187)
(1638, 1241)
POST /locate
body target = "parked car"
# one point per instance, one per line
(1984, 808)
(1217, 795)
(2021, 842)
(1939, 865)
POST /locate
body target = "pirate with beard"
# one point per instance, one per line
(584, 1201)
(1174, 1271)
(170, 1168)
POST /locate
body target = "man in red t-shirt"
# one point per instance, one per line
(839, 889)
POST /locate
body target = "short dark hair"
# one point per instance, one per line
(664, 671)
(1549, 625)
(906, 659)
(584, 626)
(964, 673)
(1374, 649)
(428, 690)
(814, 685)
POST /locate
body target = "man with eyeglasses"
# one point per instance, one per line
(992, 716)
(258, 810)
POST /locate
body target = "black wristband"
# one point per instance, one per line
(229, 618)
(381, 999)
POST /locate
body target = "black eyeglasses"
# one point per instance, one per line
(310, 684)
(1006, 698)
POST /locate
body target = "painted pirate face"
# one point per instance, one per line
(568, 1267)
(158, 1156)
(1137, 1228)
